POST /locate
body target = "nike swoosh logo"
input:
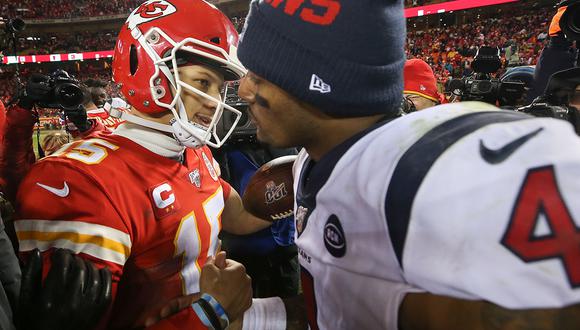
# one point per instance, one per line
(496, 156)
(63, 192)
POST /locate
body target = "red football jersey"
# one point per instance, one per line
(152, 220)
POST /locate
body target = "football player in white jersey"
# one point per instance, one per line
(462, 216)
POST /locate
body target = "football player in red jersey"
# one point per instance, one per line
(147, 201)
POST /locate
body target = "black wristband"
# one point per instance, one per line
(211, 314)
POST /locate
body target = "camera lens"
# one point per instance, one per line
(68, 95)
(575, 19)
(484, 87)
(15, 25)
(570, 21)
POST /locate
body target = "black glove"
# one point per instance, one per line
(78, 117)
(37, 90)
(75, 293)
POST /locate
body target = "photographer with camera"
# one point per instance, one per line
(58, 90)
(555, 91)
(75, 293)
(482, 86)
(558, 55)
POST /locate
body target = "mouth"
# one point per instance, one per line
(202, 119)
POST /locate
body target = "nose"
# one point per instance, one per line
(247, 89)
(209, 103)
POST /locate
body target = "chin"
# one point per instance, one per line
(272, 142)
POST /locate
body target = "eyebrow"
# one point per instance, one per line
(261, 101)
(253, 77)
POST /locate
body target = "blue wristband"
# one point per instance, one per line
(202, 316)
(219, 310)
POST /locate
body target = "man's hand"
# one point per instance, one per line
(78, 117)
(223, 279)
(74, 294)
(37, 90)
(227, 281)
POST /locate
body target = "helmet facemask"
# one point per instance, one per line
(185, 131)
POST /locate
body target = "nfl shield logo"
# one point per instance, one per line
(195, 178)
(300, 217)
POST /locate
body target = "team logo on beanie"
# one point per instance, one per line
(318, 85)
(315, 12)
(148, 11)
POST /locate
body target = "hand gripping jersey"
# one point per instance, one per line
(152, 220)
(460, 200)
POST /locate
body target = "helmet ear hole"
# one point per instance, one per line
(133, 60)
(215, 40)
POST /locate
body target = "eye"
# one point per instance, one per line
(202, 83)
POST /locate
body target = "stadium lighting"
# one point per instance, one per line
(56, 57)
(451, 6)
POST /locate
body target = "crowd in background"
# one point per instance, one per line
(31, 9)
(70, 42)
(449, 50)
(95, 70)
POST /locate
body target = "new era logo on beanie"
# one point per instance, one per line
(344, 57)
(316, 84)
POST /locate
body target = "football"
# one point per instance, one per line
(269, 194)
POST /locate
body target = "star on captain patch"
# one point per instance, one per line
(195, 178)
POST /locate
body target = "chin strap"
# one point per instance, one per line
(116, 113)
(181, 135)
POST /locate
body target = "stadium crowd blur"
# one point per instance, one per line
(448, 49)
(44, 9)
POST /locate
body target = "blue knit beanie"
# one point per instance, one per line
(345, 57)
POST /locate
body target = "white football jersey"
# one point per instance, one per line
(462, 200)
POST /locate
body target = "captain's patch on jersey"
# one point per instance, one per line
(164, 200)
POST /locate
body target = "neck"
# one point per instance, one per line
(331, 132)
(155, 141)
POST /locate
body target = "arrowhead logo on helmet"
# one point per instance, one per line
(148, 11)
(160, 36)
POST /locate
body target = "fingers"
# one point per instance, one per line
(92, 281)
(30, 285)
(77, 283)
(31, 280)
(57, 276)
(97, 296)
(249, 293)
(105, 294)
(220, 259)
(210, 260)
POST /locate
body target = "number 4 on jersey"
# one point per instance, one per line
(539, 196)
